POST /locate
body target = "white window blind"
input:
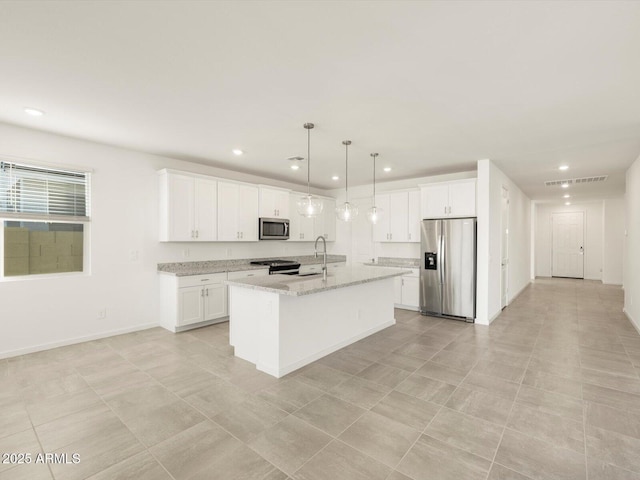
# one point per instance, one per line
(38, 193)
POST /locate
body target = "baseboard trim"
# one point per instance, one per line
(73, 341)
(519, 292)
(635, 324)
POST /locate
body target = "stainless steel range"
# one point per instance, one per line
(287, 267)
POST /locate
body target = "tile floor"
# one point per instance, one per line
(550, 391)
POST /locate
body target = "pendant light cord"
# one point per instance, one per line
(346, 173)
(308, 161)
(374, 179)
(346, 144)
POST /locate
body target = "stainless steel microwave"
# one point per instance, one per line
(274, 229)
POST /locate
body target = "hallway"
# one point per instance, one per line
(551, 390)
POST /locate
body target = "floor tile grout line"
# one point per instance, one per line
(369, 410)
(205, 415)
(513, 403)
(35, 433)
(439, 409)
(145, 447)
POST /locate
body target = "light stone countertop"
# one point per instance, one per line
(395, 262)
(295, 285)
(185, 269)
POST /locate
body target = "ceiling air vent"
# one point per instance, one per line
(576, 181)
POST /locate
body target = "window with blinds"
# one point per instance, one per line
(37, 193)
(45, 215)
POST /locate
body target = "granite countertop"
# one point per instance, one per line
(307, 284)
(184, 269)
(395, 262)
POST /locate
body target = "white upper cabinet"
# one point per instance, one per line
(300, 228)
(435, 201)
(450, 199)
(325, 224)
(400, 219)
(274, 202)
(462, 199)
(206, 210)
(382, 228)
(237, 212)
(414, 217)
(188, 208)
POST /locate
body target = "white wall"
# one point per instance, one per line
(632, 242)
(40, 313)
(593, 237)
(490, 182)
(613, 241)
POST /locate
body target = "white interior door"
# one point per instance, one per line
(362, 233)
(568, 245)
(504, 248)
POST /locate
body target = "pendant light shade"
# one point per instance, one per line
(374, 213)
(309, 206)
(347, 211)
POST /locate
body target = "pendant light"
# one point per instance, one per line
(309, 206)
(374, 213)
(347, 211)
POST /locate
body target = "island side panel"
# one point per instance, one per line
(254, 327)
(312, 326)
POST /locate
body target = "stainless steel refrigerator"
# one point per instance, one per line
(448, 268)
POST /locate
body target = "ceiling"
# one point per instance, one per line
(431, 86)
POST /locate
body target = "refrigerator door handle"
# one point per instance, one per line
(441, 258)
(442, 266)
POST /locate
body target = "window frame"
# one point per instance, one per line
(48, 218)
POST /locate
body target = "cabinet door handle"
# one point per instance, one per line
(241, 234)
(197, 233)
(202, 292)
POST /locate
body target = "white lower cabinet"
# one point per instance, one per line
(407, 291)
(248, 273)
(201, 298)
(317, 267)
(196, 300)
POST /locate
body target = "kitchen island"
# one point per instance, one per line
(283, 322)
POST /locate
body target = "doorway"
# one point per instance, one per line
(504, 248)
(567, 245)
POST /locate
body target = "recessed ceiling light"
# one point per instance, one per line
(237, 151)
(567, 203)
(387, 169)
(563, 167)
(565, 185)
(567, 196)
(295, 162)
(34, 112)
(335, 177)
